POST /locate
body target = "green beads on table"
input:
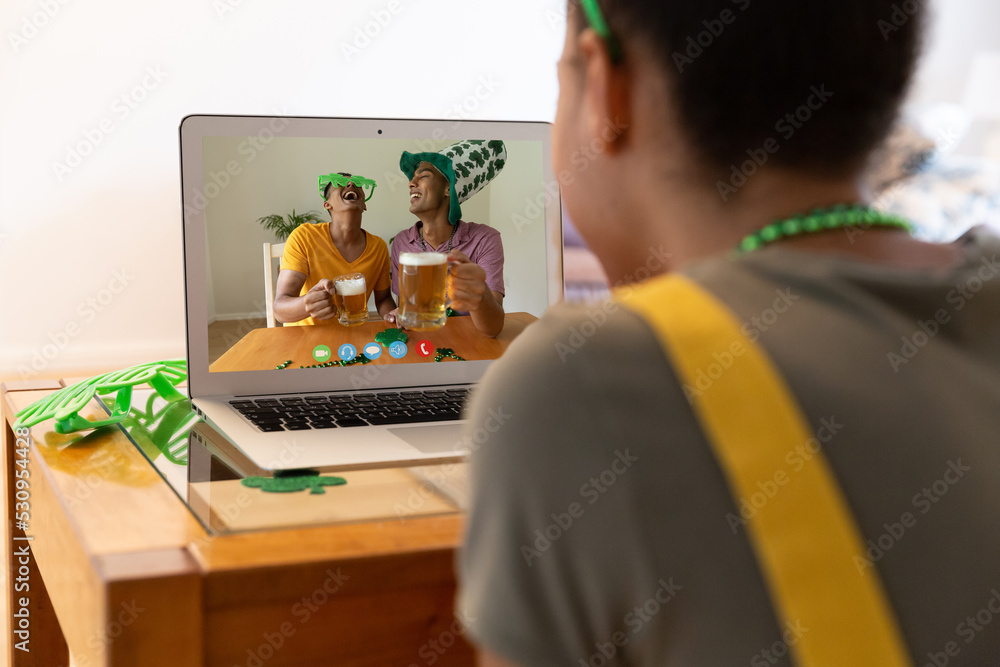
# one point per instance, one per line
(360, 359)
(446, 353)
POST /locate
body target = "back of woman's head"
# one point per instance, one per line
(819, 81)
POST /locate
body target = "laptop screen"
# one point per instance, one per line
(329, 254)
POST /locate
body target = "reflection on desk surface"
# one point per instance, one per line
(209, 482)
(265, 349)
(83, 456)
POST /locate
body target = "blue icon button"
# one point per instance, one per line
(347, 352)
(373, 351)
(398, 349)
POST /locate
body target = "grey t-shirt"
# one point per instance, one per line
(602, 531)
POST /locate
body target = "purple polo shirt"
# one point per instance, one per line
(481, 243)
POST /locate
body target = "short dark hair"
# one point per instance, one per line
(736, 69)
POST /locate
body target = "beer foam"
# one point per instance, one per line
(422, 258)
(350, 287)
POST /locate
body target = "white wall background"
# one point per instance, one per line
(284, 177)
(90, 242)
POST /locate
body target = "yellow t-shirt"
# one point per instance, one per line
(310, 250)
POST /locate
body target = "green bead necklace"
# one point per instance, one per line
(821, 220)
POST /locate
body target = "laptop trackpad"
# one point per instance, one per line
(433, 439)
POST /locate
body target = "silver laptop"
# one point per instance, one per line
(278, 393)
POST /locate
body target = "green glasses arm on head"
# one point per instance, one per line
(595, 19)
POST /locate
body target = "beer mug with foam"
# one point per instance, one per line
(423, 286)
(351, 299)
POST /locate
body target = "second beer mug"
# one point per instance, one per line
(351, 299)
(423, 282)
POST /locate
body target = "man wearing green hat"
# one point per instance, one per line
(439, 184)
(315, 254)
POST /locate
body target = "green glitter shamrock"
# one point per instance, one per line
(294, 483)
(390, 336)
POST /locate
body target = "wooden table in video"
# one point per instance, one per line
(264, 349)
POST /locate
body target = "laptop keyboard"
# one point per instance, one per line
(303, 413)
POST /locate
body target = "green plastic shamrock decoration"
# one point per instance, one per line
(390, 336)
(294, 483)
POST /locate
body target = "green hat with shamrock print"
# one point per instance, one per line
(468, 165)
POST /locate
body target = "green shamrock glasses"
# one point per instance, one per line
(339, 181)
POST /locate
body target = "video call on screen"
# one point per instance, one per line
(246, 180)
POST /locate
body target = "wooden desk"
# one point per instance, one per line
(264, 349)
(121, 573)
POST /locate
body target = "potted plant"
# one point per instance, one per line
(284, 226)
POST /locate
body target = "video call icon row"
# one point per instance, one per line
(372, 351)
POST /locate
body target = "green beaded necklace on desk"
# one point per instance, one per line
(820, 220)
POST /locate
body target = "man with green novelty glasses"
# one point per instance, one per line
(316, 254)
(439, 184)
(341, 180)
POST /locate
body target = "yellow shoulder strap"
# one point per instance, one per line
(805, 538)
